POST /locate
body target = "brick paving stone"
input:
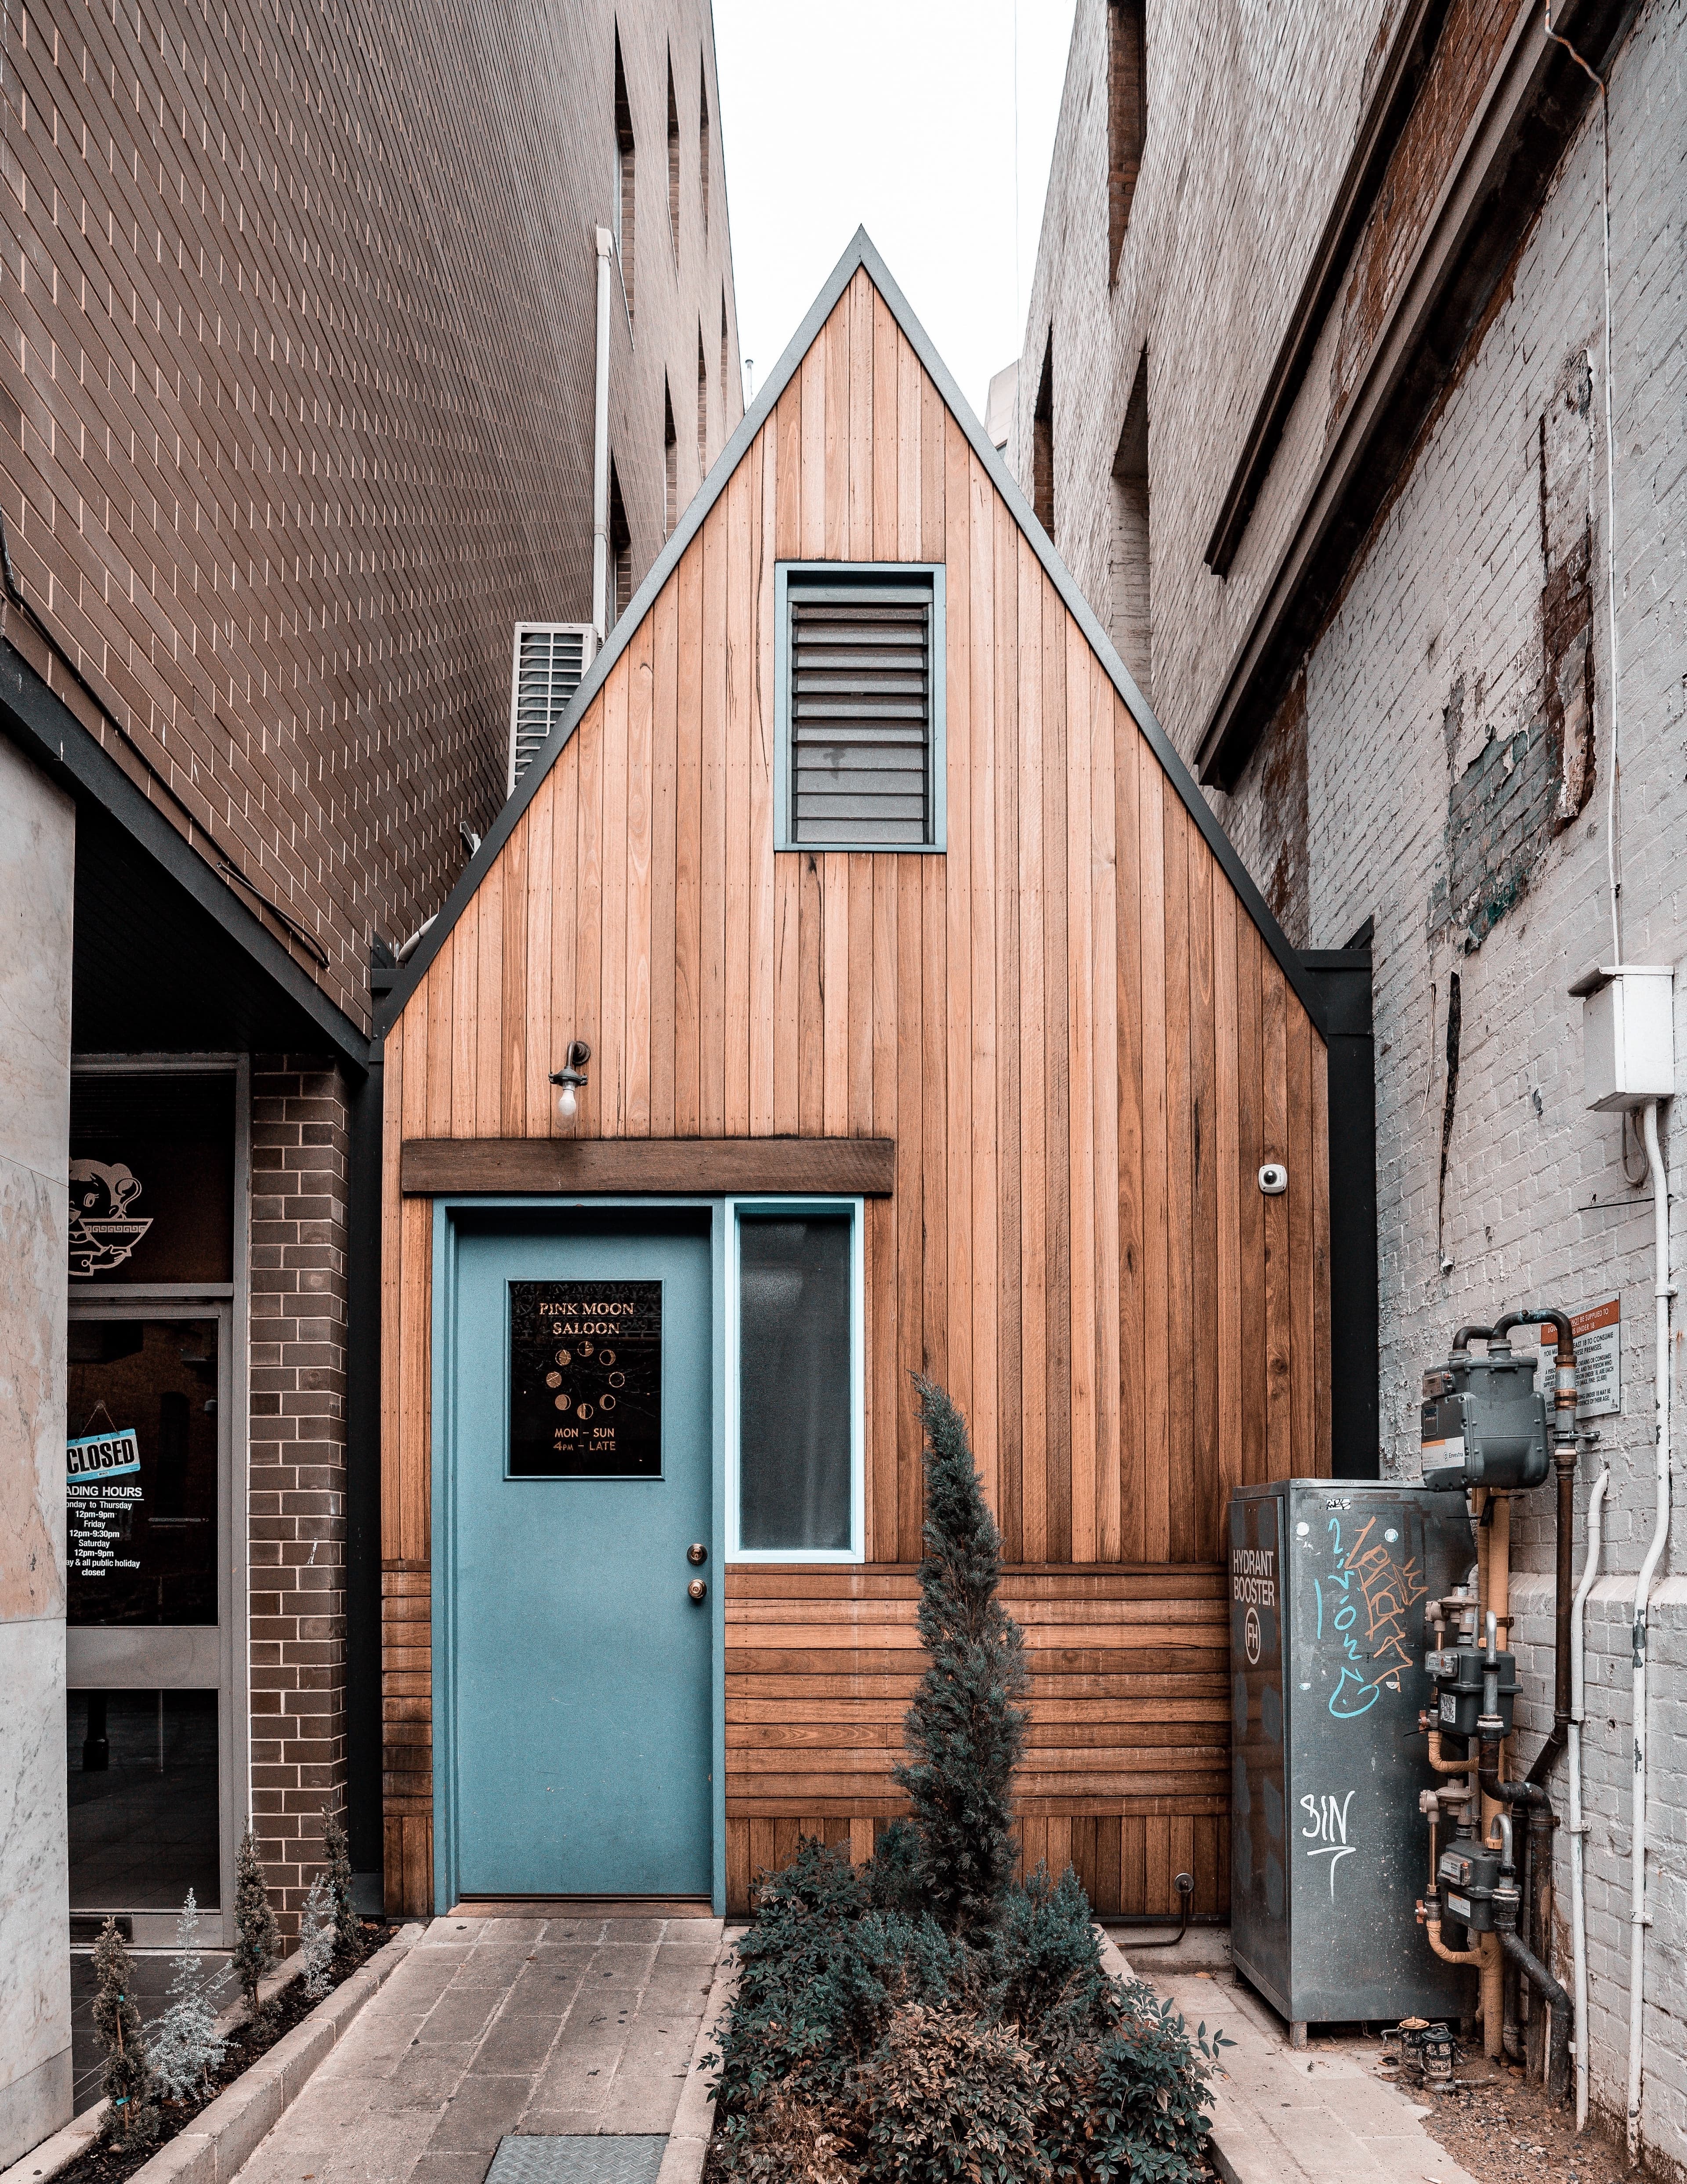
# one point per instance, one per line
(502, 2028)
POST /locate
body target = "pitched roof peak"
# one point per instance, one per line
(860, 255)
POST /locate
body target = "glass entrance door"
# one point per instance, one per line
(150, 1553)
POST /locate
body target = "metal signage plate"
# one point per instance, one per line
(585, 1380)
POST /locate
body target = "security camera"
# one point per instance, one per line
(1273, 1178)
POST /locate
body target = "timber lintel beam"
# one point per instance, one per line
(430, 1167)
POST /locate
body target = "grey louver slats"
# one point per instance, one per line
(551, 659)
(861, 667)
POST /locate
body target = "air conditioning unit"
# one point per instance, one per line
(550, 663)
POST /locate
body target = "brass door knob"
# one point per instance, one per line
(696, 1552)
(696, 1590)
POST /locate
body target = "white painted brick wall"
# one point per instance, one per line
(1248, 129)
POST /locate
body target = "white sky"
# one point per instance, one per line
(897, 115)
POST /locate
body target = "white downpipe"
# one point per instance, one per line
(1578, 1827)
(600, 446)
(1643, 1586)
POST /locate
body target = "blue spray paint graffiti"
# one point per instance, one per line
(1370, 1592)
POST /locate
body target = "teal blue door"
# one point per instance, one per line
(579, 1473)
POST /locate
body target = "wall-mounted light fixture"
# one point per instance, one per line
(570, 1078)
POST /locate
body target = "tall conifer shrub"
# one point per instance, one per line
(128, 2081)
(339, 1886)
(184, 2047)
(963, 1731)
(257, 1938)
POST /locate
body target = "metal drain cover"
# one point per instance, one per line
(576, 2160)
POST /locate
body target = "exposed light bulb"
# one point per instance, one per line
(567, 1107)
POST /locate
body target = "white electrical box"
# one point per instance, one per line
(1628, 1035)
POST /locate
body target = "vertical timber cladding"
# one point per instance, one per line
(1083, 1049)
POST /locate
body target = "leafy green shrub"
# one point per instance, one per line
(1151, 2086)
(794, 2142)
(1045, 1960)
(819, 1972)
(963, 1731)
(945, 2097)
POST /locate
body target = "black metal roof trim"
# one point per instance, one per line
(43, 726)
(861, 256)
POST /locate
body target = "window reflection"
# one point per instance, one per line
(142, 1468)
(794, 1383)
(142, 1775)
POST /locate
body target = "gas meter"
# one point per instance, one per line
(1484, 1423)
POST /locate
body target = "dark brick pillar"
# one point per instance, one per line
(297, 1499)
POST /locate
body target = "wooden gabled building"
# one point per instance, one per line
(933, 1025)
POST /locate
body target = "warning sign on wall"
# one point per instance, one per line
(1599, 1358)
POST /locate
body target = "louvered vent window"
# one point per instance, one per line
(862, 708)
(551, 658)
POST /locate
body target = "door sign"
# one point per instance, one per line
(102, 1496)
(585, 1380)
(102, 1455)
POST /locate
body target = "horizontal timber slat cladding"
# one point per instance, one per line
(821, 1665)
(1066, 1039)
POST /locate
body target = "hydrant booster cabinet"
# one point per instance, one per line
(1329, 1580)
(1391, 1856)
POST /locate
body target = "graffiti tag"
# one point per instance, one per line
(1327, 1829)
(1370, 1592)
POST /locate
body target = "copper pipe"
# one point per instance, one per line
(1433, 1928)
(1447, 1766)
(1493, 2005)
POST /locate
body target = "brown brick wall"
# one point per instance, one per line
(296, 400)
(296, 1495)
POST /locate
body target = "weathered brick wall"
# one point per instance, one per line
(1247, 134)
(297, 1491)
(296, 409)
(1441, 767)
(1459, 754)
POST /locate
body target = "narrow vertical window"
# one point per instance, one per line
(1042, 442)
(795, 1443)
(726, 364)
(673, 162)
(1128, 573)
(620, 546)
(626, 201)
(1126, 116)
(671, 463)
(702, 144)
(702, 410)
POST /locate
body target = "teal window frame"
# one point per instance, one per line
(854, 1211)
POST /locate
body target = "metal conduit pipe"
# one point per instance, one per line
(1557, 2000)
(600, 444)
(1643, 1586)
(1577, 1826)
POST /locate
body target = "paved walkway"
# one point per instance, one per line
(495, 2027)
(1313, 2115)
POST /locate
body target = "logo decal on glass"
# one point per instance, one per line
(102, 1231)
(585, 1380)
